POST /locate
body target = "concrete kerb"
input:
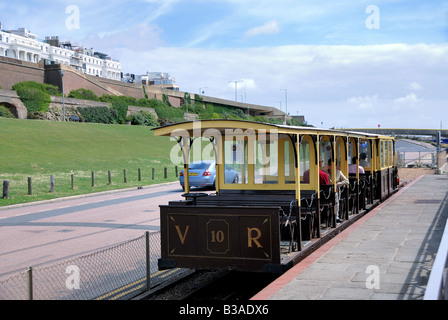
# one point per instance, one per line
(86, 195)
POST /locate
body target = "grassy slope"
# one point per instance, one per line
(37, 149)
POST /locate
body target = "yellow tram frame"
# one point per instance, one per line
(291, 174)
(382, 150)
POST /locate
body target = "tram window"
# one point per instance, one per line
(382, 154)
(391, 154)
(386, 153)
(289, 162)
(325, 152)
(304, 161)
(364, 154)
(266, 162)
(351, 151)
(235, 157)
(340, 151)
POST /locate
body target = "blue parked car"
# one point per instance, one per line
(203, 174)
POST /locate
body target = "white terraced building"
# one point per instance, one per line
(23, 45)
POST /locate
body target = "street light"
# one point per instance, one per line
(286, 100)
(187, 95)
(236, 88)
(63, 102)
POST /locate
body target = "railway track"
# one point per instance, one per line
(232, 286)
(215, 285)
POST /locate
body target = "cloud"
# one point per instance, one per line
(140, 37)
(270, 27)
(365, 102)
(415, 86)
(408, 99)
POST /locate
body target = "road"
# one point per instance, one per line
(31, 235)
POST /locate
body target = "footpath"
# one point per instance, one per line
(386, 255)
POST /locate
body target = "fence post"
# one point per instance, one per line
(176, 172)
(124, 176)
(93, 178)
(109, 176)
(139, 175)
(30, 186)
(5, 189)
(152, 173)
(52, 183)
(30, 283)
(165, 173)
(148, 263)
(72, 180)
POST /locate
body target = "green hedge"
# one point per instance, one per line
(120, 105)
(84, 94)
(35, 96)
(143, 118)
(97, 115)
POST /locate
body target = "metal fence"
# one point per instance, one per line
(119, 272)
(437, 288)
(423, 159)
(417, 159)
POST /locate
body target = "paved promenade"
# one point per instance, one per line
(385, 255)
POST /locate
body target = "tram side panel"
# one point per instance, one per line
(241, 238)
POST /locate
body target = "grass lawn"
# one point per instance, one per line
(38, 149)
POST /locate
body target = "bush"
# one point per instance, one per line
(35, 96)
(84, 94)
(5, 113)
(168, 112)
(120, 105)
(97, 115)
(144, 118)
(166, 100)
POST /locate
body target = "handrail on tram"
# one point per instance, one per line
(437, 287)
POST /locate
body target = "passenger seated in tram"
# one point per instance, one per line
(323, 176)
(352, 167)
(363, 160)
(324, 179)
(340, 181)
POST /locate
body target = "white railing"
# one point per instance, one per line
(437, 283)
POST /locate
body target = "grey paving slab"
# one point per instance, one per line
(388, 257)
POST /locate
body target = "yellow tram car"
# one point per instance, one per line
(281, 207)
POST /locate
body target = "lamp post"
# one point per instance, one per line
(286, 100)
(188, 99)
(236, 88)
(63, 101)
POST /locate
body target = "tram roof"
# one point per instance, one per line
(198, 127)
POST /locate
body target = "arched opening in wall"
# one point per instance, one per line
(12, 108)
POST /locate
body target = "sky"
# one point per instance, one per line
(342, 64)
